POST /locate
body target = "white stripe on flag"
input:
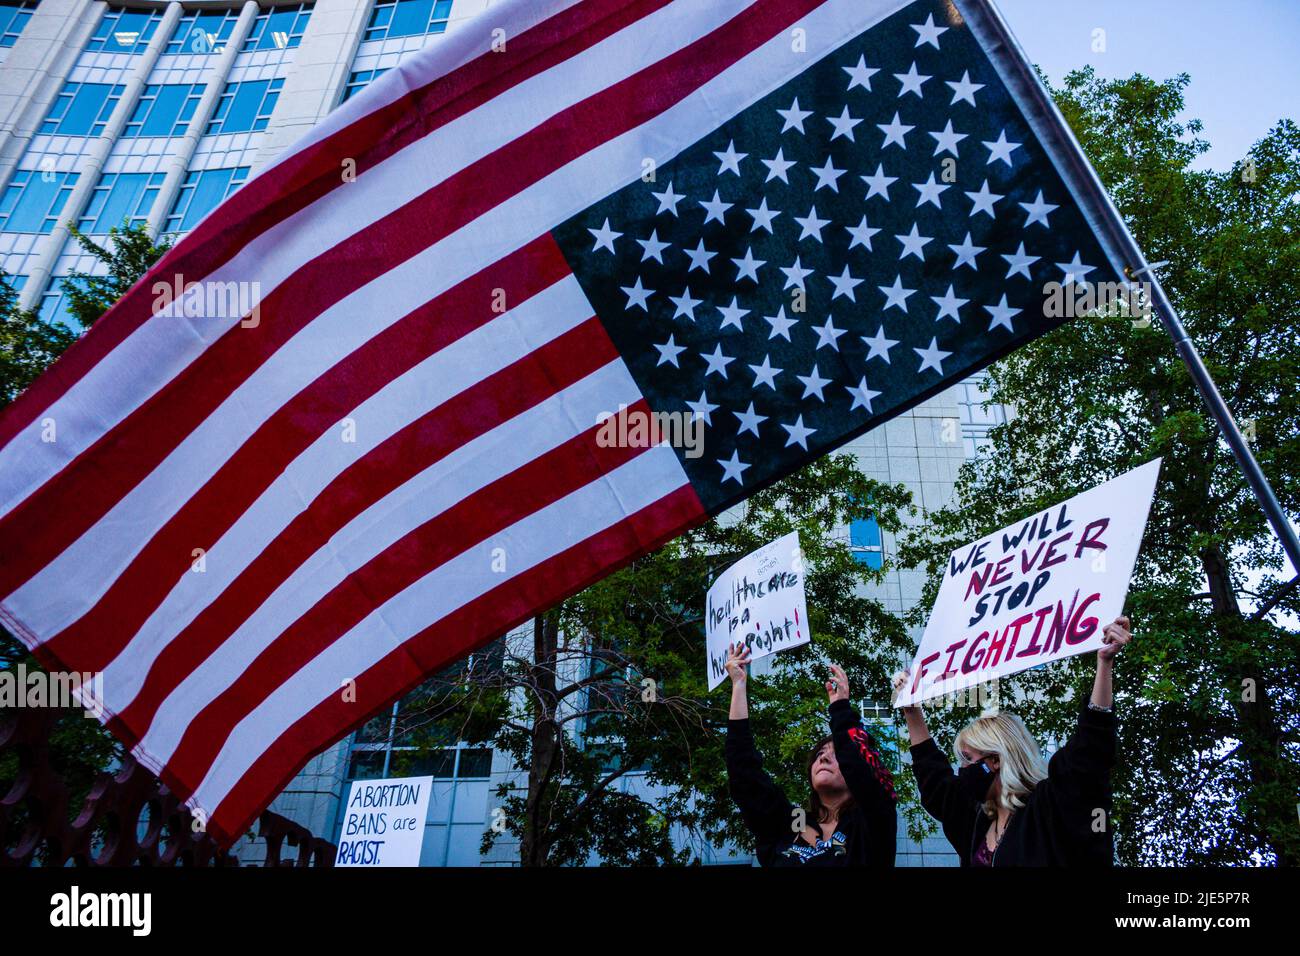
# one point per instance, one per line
(84, 571)
(587, 511)
(358, 317)
(430, 493)
(165, 345)
(456, 49)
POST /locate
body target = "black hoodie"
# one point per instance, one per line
(1065, 820)
(864, 837)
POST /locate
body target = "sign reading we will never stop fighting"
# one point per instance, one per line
(1038, 591)
(758, 601)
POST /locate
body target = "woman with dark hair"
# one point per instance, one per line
(850, 818)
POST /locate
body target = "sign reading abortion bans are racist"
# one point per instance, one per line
(384, 822)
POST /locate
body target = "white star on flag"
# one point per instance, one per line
(861, 74)
(879, 345)
(733, 468)
(927, 32)
(911, 81)
(1001, 149)
(605, 237)
(948, 305)
(730, 159)
(862, 395)
(964, 89)
(798, 433)
(668, 200)
(931, 357)
(637, 294)
(749, 420)
(1001, 314)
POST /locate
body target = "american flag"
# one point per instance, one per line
(791, 218)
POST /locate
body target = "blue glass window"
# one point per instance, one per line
(407, 18)
(245, 106)
(33, 200)
(201, 192)
(13, 17)
(203, 31)
(54, 303)
(120, 198)
(82, 109)
(14, 282)
(279, 28)
(864, 537)
(359, 80)
(124, 31)
(164, 110)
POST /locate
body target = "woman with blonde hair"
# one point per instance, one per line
(1006, 806)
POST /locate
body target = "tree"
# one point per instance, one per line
(27, 344)
(1209, 747)
(127, 255)
(613, 681)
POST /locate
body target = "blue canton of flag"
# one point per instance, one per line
(878, 228)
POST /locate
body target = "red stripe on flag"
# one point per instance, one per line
(33, 534)
(492, 509)
(140, 442)
(494, 613)
(403, 455)
(304, 177)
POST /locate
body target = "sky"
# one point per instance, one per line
(1243, 55)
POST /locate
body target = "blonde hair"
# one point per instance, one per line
(1021, 764)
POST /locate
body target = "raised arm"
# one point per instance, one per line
(941, 792)
(766, 810)
(917, 731)
(868, 779)
(1086, 758)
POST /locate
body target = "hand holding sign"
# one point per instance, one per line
(737, 661)
(837, 688)
(1114, 637)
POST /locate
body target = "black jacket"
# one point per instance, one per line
(1065, 820)
(868, 831)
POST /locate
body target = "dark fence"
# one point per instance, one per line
(128, 818)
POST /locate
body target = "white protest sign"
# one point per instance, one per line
(383, 822)
(758, 601)
(1041, 590)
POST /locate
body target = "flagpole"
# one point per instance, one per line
(987, 23)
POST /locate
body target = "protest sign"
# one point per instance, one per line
(1038, 591)
(383, 822)
(758, 601)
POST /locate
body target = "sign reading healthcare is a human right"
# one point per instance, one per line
(383, 822)
(1038, 591)
(758, 601)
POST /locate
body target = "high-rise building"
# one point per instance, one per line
(154, 112)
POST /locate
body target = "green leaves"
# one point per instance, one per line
(127, 254)
(27, 345)
(1202, 771)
